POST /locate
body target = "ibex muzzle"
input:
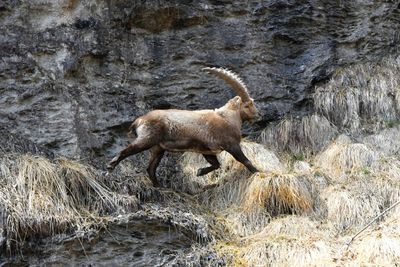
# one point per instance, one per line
(203, 131)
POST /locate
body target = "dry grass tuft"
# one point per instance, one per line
(276, 193)
(349, 209)
(363, 95)
(385, 142)
(241, 223)
(378, 249)
(248, 204)
(280, 194)
(40, 197)
(286, 250)
(226, 195)
(82, 185)
(292, 225)
(353, 201)
(379, 246)
(343, 157)
(284, 242)
(305, 136)
(386, 181)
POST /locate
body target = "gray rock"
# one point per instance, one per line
(73, 74)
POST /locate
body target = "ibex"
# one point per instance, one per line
(203, 131)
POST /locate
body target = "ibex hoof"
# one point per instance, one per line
(201, 172)
(254, 170)
(110, 168)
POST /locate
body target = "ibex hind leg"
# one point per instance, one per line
(213, 160)
(157, 153)
(238, 154)
(134, 148)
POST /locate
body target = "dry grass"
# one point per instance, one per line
(40, 197)
(228, 194)
(245, 202)
(345, 184)
(385, 142)
(241, 223)
(279, 194)
(349, 209)
(343, 157)
(365, 183)
(246, 209)
(265, 219)
(283, 242)
(363, 95)
(386, 180)
(378, 249)
(287, 250)
(298, 240)
(276, 193)
(301, 167)
(378, 246)
(304, 136)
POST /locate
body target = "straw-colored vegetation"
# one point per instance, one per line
(305, 213)
(39, 197)
(285, 241)
(344, 157)
(365, 96)
(304, 136)
(284, 219)
(279, 194)
(385, 142)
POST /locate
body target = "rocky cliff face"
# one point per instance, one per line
(73, 74)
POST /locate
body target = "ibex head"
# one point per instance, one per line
(249, 111)
(243, 102)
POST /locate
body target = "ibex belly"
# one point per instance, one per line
(190, 145)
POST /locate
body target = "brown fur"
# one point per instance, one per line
(203, 131)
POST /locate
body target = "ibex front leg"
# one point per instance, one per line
(238, 154)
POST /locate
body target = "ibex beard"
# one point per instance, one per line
(207, 132)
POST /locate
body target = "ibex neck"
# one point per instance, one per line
(231, 115)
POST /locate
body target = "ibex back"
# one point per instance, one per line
(203, 131)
